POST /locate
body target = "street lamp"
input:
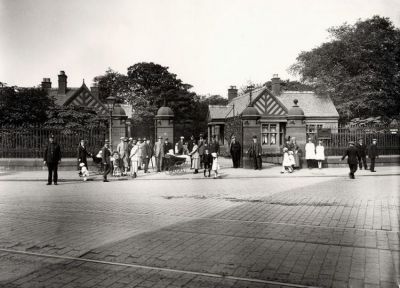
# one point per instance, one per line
(110, 100)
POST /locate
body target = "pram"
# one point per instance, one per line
(176, 164)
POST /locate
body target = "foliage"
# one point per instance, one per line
(73, 118)
(288, 85)
(215, 100)
(359, 68)
(233, 126)
(23, 106)
(110, 84)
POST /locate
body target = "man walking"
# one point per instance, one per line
(362, 154)
(352, 158)
(255, 152)
(158, 153)
(235, 151)
(51, 158)
(202, 148)
(106, 154)
(166, 147)
(372, 154)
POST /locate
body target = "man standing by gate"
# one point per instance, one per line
(255, 152)
(362, 154)
(235, 151)
(51, 158)
(372, 154)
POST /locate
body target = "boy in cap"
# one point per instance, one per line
(352, 158)
(51, 158)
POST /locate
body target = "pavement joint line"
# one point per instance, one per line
(285, 240)
(213, 275)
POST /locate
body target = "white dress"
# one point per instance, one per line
(215, 165)
(320, 154)
(310, 151)
(286, 160)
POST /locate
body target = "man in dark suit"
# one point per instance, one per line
(372, 154)
(167, 147)
(51, 158)
(106, 154)
(180, 146)
(362, 154)
(235, 151)
(255, 152)
(82, 155)
(352, 158)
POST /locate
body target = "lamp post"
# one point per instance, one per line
(110, 105)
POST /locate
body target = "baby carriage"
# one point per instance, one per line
(176, 164)
(97, 159)
(117, 162)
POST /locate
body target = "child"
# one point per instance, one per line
(291, 159)
(215, 165)
(286, 163)
(116, 165)
(84, 171)
(207, 161)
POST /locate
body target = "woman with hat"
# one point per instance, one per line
(195, 158)
(82, 153)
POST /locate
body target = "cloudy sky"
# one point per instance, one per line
(210, 44)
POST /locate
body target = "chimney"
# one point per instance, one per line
(62, 83)
(232, 93)
(46, 83)
(276, 85)
(95, 90)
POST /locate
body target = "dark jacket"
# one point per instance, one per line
(191, 144)
(362, 150)
(202, 147)
(214, 147)
(373, 151)
(235, 148)
(167, 147)
(82, 153)
(180, 147)
(352, 155)
(207, 159)
(52, 153)
(106, 154)
(255, 150)
(149, 150)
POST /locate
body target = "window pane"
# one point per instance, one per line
(265, 139)
(273, 138)
(264, 128)
(273, 127)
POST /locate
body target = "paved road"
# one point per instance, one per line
(172, 232)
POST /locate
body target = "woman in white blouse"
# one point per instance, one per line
(320, 153)
(310, 153)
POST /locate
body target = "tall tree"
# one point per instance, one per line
(359, 68)
(111, 83)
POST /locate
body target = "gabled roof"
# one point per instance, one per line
(60, 99)
(242, 101)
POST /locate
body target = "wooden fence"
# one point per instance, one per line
(31, 142)
(388, 142)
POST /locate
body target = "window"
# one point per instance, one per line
(312, 129)
(269, 134)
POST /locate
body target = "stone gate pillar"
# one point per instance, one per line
(119, 128)
(164, 124)
(296, 126)
(250, 128)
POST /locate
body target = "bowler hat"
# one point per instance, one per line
(351, 142)
(255, 137)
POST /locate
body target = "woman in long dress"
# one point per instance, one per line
(296, 153)
(310, 153)
(195, 158)
(320, 153)
(134, 156)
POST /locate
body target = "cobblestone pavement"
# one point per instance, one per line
(247, 232)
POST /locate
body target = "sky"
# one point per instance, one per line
(210, 44)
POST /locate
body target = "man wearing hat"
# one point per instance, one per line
(352, 158)
(167, 146)
(255, 152)
(51, 158)
(202, 147)
(235, 151)
(158, 151)
(106, 154)
(123, 152)
(179, 146)
(362, 153)
(372, 154)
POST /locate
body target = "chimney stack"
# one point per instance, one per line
(232, 93)
(62, 83)
(276, 85)
(95, 90)
(46, 83)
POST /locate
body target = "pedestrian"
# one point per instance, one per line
(194, 154)
(215, 164)
(106, 155)
(179, 146)
(352, 158)
(207, 161)
(166, 147)
(51, 158)
(235, 151)
(296, 153)
(146, 154)
(362, 152)
(130, 145)
(140, 152)
(320, 153)
(82, 155)
(123, 152)
(158, 152)
(190, 145)
(372, 154)
(286, 163)
(310, 153)
(202, 148)
(255, 152)
(214, 145)
(134, 156)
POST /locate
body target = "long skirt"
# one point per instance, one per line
(134, 167)
(196, 163)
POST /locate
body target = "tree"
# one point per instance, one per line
(111, 83)
(23, 106)
(359, 68)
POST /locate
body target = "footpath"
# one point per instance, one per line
(226, 172)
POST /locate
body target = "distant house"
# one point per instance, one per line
(78, 96)
(271, 109)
